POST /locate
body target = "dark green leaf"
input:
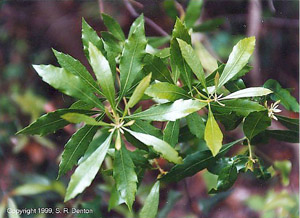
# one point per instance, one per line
(235, 85)
(171, 133)
(150, 207)
(255, 123)
(82, 105)
(284, 135)
(146, 127)
(196, 124)
(292, 124)
(111, 44)
(170, 8)
(115, 198)
(173, 197)
(51, 122)
(229, 120)
(157, 41)
(209, 25)
(285, 97)
(125, 176)
(113, 26)
(78, 118)
(193, 12)
(138, 158)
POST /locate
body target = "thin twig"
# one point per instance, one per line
(180, 10)
(101, 7)
(148, 21)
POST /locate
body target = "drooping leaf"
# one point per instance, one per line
(194, 163)
(209, 25)
(196, 125)
(51, 122)
(139, 91)
(78, 118)
(193, 12)
(67, 83)
(157, 67)
(248, 93)
(113, 26)
(132, 56)
(171, 132)
(169, 111)
(285, 97)
(209, 63)
(292, 124)
(284, 135)
(178, 64)
(168, 91)
(11, 204)
(80, 178)
(158, 145)
(74, 66)
(103, 73)
(90, 35)
(192, 60)
(255, 123)
(238, 58)
(212, 134)
(125, 176)
(150, 207)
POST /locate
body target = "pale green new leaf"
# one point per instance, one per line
(139, 91)
(238, 58)
(103, 73)
(87, 170)
(248, 93)
(150, 207)
(158, 145)
(164, 90)
(11, 204)
(192, 60)
(209, 63)
(213, 135)
(169, 111)
(113, 26)
(78, 118)
(125, 176)
(67, 83)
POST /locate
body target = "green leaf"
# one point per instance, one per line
(248, 93)
(139, 91)
(193, 163)
(170, 8)
(11, 204)
(115, 198)
(150, 207)
(229, 120)
(146, 127)
(235, 85)
(125, 176)
(111, 44)
(241, 106)
(158, 145)
(113, 26)
(237, 59)
(80, 178)
(209, 25)
(78, 118)
(51, 122)
(75, 148)
(158, 68)
(157, 41)
(285, 97)
(226, 179)
(81, 105)
(132, 56)
(103, 73)
(193, 12)
(163, 90)
(67, 83)
(292, 124)
(285, 168)
(255, 123)
(178, 64)
(192, 60)
(2, 209)
(284, 135)
(90, 35)
(171, 133)
(212, 134)
(196, 125)
(169, 111)
(209, 63)
(72, 65)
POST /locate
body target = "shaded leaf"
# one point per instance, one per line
(113, 26)
(171, 133)
(157, 41)
(115, 198)
(255, 123)
(193, 12)
(235, 85)
(292, 124)
(229, 120)
(173, 197)
(78, 118)
(208, 62)
(11, 204)
(196, 125)
(284, 135)
(285, 168)
(209, 25)
(150, 207)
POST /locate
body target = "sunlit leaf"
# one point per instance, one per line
(248, 93)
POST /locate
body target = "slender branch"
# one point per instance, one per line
(101, 7)
(148, 21)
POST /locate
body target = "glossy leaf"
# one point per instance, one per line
(193, 163)
(125, 176)
(285, 97)
(103, 73)
(192, 60)
(255, 123)
(132, 56)
(212, 134)
(292, 124)
(171, 133)
(169, 111)
(78, 118)
(80, 178)
(196, 125)
(150, 207)
(158, 145)
(51, 122)
(154, 65)
(238, 58)
(67, 83)
(113, 26)
(193, 12)
(248, 93)
(168, 91)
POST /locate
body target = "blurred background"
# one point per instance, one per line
(29, 164)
